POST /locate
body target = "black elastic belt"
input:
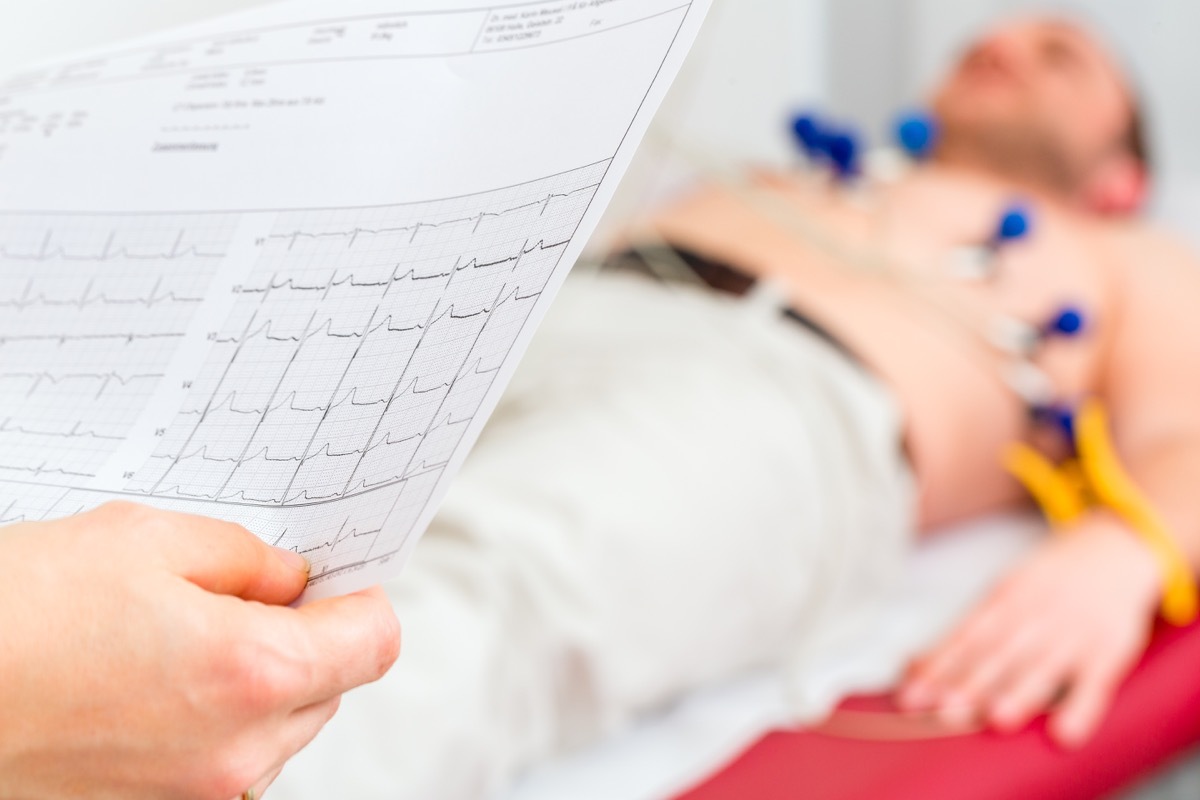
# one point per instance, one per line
(716, 275)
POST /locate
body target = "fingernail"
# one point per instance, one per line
(917, 695)
(1070, 733)
(1003, 715)
(1012, 724)
(956, 710)
(293, 559)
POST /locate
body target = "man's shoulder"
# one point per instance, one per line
(1144, 247)
(1138, 237)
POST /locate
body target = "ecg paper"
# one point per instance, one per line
(278, 268)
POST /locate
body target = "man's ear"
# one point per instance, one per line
(1117, 187)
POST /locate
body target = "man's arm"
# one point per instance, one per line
(1152, 385)
(1063, 630)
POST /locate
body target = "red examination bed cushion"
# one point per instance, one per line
(1156, 716)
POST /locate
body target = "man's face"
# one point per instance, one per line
(1041, 91)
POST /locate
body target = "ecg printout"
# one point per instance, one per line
(277, 268)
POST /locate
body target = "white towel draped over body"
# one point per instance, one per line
(677, 486)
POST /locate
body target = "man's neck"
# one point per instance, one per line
(970, 166)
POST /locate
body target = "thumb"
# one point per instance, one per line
(222, 557)
(358, 637)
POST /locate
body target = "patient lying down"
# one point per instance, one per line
(681, 485)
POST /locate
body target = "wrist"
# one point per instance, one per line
(1141, 567)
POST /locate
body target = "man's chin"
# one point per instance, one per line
(979, 102)
(981, 115)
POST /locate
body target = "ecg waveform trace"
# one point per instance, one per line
(359, 349)
(92, 307)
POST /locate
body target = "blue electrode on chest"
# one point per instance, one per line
(980, 261)
(827, 145)
(917, 134)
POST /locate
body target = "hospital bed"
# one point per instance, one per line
(732, 742)
(1155, 717)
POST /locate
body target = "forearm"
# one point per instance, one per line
(1169, 473)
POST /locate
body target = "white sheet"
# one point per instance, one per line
(673, 751)
(278, 267)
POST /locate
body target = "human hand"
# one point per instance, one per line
(1075, 617)
(147, 654)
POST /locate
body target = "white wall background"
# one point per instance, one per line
(754, 63)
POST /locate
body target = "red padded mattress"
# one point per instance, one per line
(1156, 716)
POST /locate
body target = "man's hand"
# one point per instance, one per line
(147, 654)
(1074, 619)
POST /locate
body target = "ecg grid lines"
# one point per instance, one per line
(91, 309)
(358, 351)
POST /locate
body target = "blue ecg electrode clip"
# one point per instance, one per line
(1068, 322)
(1014, 226)
(980, 262)
(917, 134)
(823, 143)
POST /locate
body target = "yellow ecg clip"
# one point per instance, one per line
(1097, 478)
